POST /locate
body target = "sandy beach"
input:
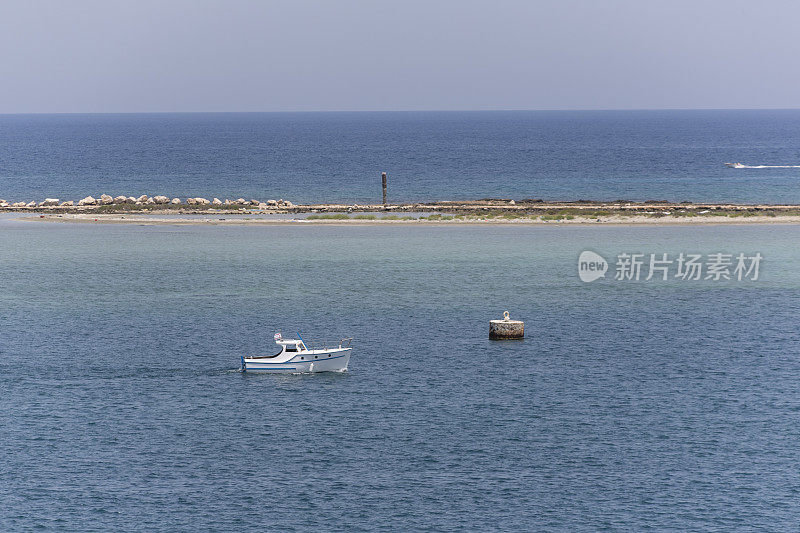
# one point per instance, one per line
(440, 220)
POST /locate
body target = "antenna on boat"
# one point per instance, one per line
(301, 340)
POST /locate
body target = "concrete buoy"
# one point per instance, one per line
(506, 328)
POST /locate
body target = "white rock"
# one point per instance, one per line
(228, 202)
(18, 204)
(31, 204)
(120, 199)
(287, 203)
(263, 206)
(161, 199)
(191, 201)
(68, 203)
(241, 201)
(131, 200)
(89, 200)
(143, 199)
(106, 199)
(216, 201)
(512, 202)
(3, 203)
(202, 201)
(150, 201)
(49, 202)
(272, 202)
(176, 201)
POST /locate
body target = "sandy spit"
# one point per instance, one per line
(254, 220)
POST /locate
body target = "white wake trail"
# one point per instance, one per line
(767, 166)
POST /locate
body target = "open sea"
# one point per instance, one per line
(323, 157)
(630, 405)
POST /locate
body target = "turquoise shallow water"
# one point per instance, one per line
(665, 405)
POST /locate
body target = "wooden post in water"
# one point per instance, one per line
(383, 180)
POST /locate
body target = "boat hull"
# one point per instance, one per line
(333, 361)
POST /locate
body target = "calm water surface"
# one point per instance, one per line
(323, 157)
(628, 406)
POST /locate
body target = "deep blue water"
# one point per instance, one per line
(660, 405)
(317, 157)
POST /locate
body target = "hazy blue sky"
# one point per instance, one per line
(238, 55)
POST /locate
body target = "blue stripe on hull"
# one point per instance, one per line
(294, 361)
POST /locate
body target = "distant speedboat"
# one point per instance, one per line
(295, 358)
(734, 165)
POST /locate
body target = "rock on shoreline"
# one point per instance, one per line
(161, 200)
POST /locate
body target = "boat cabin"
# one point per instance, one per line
(291, 345)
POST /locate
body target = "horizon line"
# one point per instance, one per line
(366, 111)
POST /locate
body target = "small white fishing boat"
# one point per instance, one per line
(735, 165)
(295, 357)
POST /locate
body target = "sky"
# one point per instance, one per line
(87, 56)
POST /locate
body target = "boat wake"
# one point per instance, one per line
(739, 165)
(770, 166)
